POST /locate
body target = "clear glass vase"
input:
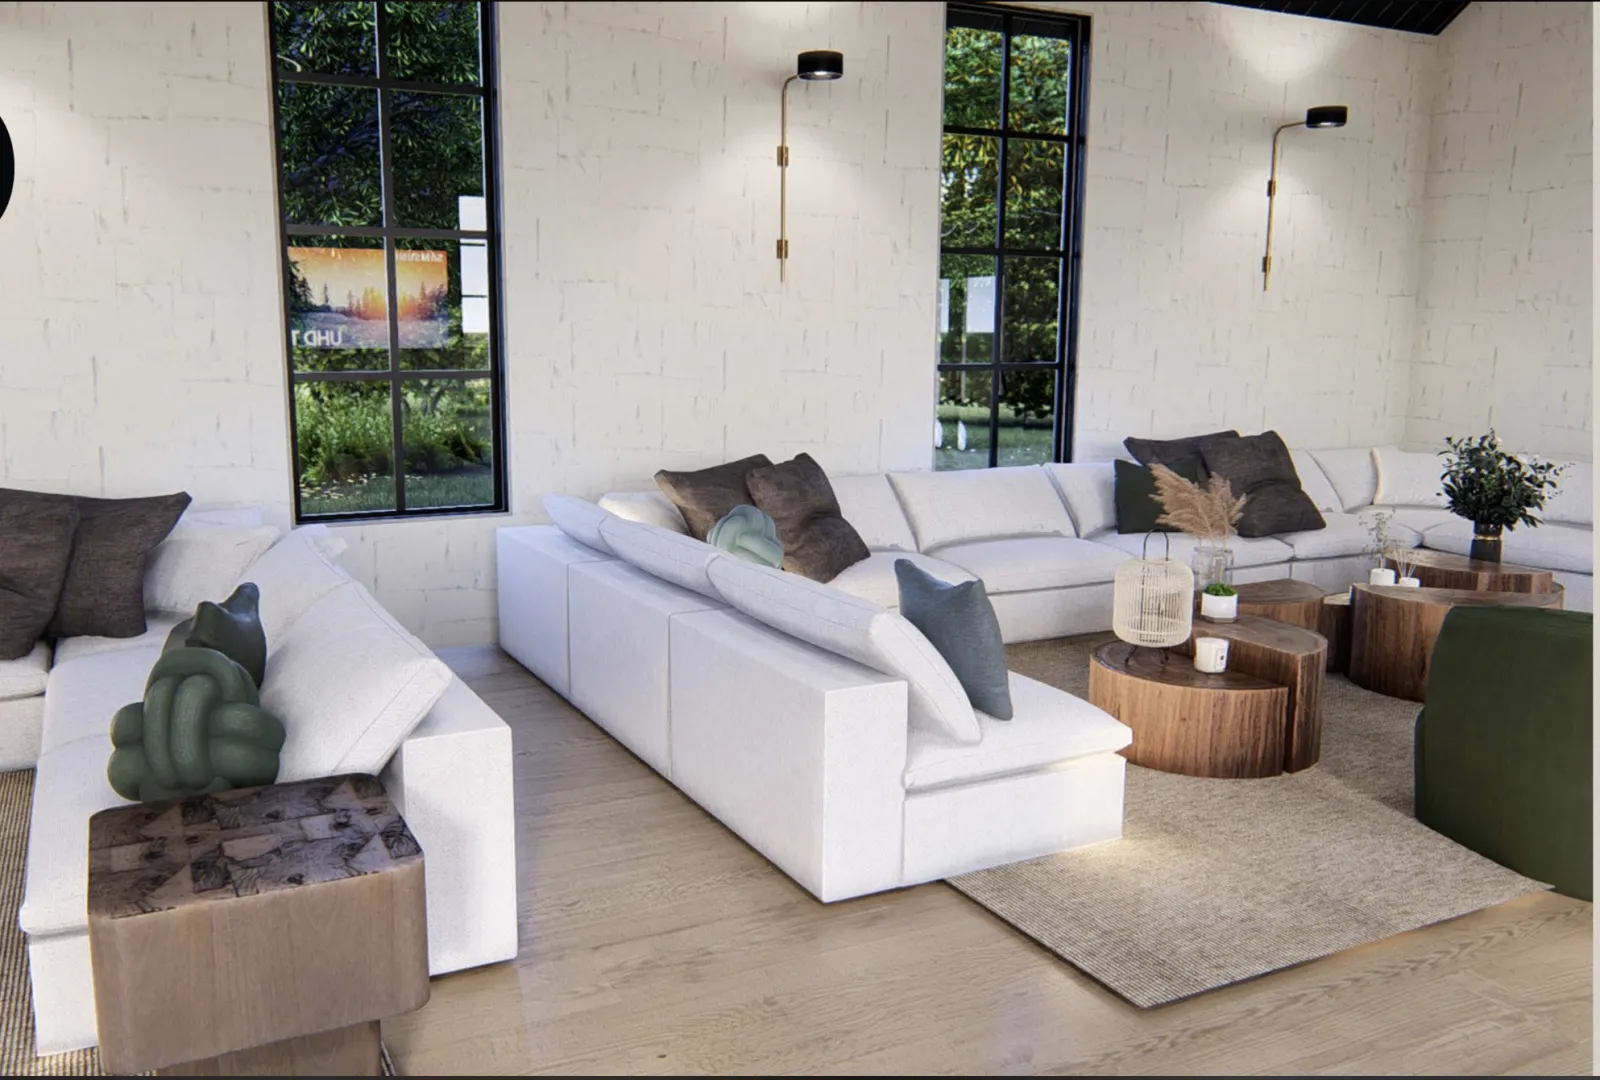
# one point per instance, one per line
(1212, 564)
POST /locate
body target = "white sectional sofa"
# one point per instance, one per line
(450, 776)
(818, 760)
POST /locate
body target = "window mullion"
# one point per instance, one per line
(998, 352)
(391, 256)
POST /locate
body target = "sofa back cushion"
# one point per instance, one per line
(1351, 472)
(1573, 503)
(200, 561)
(293, 574)
(646, 507)
(1314, 482)
(859, 630)
(578, 518)
(870, 504)
(349, 683)
(1089, 490)
(1407, 479)
(981, 504)
(670, 556)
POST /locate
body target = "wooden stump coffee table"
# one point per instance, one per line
(1393, 628)
(1442, 570)
(1229, 725)
(1283, 600)
(262, 931)
(1285, 655)
(1333, 623)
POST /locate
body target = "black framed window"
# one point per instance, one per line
(1010, 215)
(385, 118)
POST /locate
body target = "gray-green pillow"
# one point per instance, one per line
(960, 622)
(232, 628)
(1137, 505)
(748, 534)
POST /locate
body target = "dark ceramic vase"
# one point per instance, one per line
(1486, 543)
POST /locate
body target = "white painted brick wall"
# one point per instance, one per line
(1507, 274)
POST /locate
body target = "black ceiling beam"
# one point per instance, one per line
(1413, 16)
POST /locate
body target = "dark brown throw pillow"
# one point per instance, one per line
(1260, 467)
(35, 545)
(1167, 451)
(705, 496)
(817, 541)
(103, 594)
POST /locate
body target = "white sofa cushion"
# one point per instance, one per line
(1548, 547)
(578, 518)
(645, 507)
(1247, 550)
(1351, 472)
(670, 556)
(980, 504)
(1314, 482)
(1406, 478)
(200, 561)
(1048, 726)
(1035, 562)
(294, 573)
(237, 517)
(26, 675)
(69, 788)
(873, 578)
(86, 692)
(1418, 519)
(349, 684)
(1343, 535)
(157, 627)
(1573, 503)
(859, 630)
(872, 508)
(1090, 492)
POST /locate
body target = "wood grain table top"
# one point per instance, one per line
(1453, 597)
(1278, 591)
(201, 849)
(1172, 669)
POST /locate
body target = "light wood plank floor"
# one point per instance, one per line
(655, 941)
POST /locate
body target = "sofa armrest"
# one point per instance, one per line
(451, 780)
(800, 752)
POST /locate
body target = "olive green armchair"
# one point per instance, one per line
(1505, 744)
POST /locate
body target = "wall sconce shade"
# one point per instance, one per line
(8, 167)
(1319, 116)
(822, 64)
(814, 65)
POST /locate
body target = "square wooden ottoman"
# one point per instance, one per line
(257, 931)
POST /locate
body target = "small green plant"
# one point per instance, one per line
(1217, 588)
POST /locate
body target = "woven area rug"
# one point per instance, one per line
(1215, 881)
(16, 999)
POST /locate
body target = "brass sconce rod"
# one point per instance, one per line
(783, 182)
(1272, 199)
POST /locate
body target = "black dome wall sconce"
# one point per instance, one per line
(1322, 116)
(8, 167)
(818, 65)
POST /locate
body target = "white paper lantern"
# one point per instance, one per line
(1153, 601)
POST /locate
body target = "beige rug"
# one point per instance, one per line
(16, 998)
(1215, 881)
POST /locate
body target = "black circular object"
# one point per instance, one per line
(1323, 116)
(821, 64)
(8, 167)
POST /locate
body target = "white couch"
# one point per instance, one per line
(450, 775)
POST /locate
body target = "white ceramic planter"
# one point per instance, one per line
(1219, 608)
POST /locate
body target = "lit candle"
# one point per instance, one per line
(1211, 655)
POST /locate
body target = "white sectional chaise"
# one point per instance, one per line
(450, 776)
(818, 760)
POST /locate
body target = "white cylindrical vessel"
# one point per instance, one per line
(1211, 655)
(1380, 576)
(1410, 582)
(1219, 608)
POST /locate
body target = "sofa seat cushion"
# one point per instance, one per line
(1548, 547)
(1047, 727)
(1030, 563)
(69, 788)
(1341, 535)
(1247, 551)
(873, 577)
(981, 504)
(159, 627)
(84, 694)
(25, 676)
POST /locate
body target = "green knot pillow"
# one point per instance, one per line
(200, 728)
(748, 534)
(233, 628)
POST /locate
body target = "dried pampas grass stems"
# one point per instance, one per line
(1208, 513)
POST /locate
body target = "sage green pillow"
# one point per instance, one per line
(232, 628)
(1137, 508)
(748, 534)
